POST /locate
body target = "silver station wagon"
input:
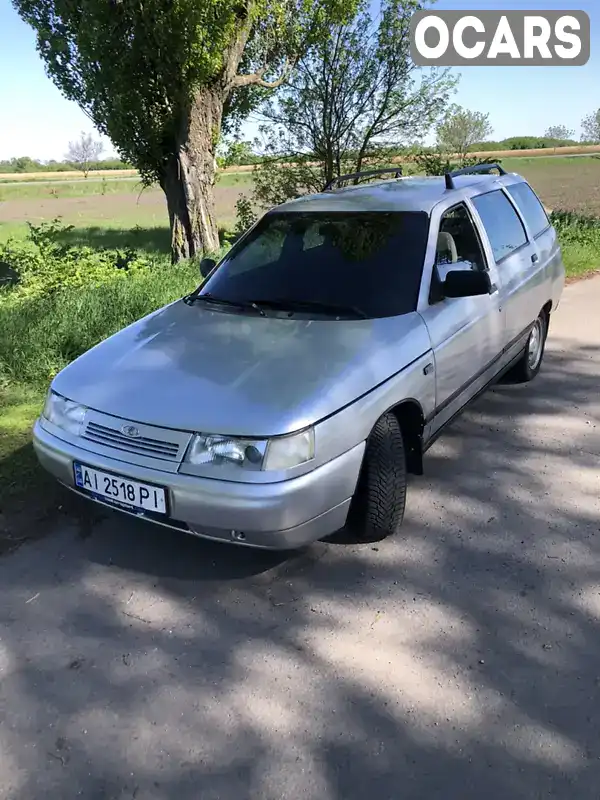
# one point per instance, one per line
(291, 393)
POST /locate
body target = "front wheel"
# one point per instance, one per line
(530, 362)
(378, 506)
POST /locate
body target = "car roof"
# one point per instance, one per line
(401, 194)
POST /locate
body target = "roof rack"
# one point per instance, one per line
(354, 176)
(477, 169)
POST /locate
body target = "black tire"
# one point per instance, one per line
(530, 362)
(378, 506)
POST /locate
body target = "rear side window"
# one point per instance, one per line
(501, 222)
(530, 207)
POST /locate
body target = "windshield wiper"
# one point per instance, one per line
(311, 305)
(221, 301)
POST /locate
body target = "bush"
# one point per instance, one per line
(579, 236)
(42, 334)
(573, 226)
(245, 215)
(45, 265)
(70, 298)
(436, 164)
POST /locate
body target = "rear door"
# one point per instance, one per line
(543, 234)
(517, 259)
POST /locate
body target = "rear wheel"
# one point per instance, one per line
(378, 506)
(530, 362)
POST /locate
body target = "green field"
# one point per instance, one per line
(51, 188)
(112, 213)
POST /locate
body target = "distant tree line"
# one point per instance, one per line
(244, 156)
(525, 143)
(27, 164)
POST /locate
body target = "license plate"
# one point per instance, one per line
(121, 491)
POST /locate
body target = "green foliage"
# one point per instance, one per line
(438, 164)
(135, 69)
(236, 153)
(276, 181)
(579, 236)
(460, 130)
(42, 334)
(245, 214)
(23, 164)
(590, 128)
(46, 265)
(523, 143)
(354, 97)
(572, 226)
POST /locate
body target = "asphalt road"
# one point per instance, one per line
(459, 660)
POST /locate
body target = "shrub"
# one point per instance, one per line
(573, 226)
(579, 236)
(245, 215)
(44, 264)
(42, 334)
(436, 164)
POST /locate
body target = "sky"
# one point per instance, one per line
(36, 121)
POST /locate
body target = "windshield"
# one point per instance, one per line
(369, 263)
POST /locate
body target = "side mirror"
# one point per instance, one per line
(466, 283)
(206, 266)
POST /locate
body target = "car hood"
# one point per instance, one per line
(198, 369)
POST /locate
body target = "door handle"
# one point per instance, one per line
(535, 258)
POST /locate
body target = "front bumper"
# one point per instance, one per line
(279, 516)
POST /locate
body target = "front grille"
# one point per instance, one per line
(142, 445)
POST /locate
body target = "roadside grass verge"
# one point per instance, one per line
(39, 337)
(27, 494)
(43, 334)
(20, 406)
(579, 236)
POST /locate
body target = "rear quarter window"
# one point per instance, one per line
(501, 222)
(530, 207)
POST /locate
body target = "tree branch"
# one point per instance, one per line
(256, 78)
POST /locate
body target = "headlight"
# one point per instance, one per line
(224, 450)
(64, 413)
(284, 452)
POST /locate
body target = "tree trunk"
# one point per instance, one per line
(189, 176)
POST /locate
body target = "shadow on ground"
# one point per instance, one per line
(459, 660)
(151, 240)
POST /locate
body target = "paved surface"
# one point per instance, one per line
(460, 660)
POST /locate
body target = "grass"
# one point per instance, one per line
(20, 406)
(23, 484)
(40, 337)
(145, 233)
(580, 241)
(26, 190)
